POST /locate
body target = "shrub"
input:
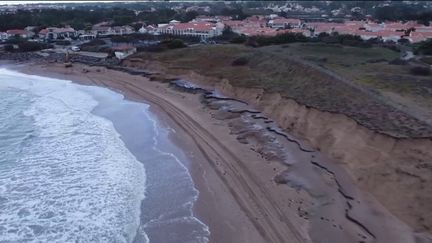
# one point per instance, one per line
(419, 70)
(280, 39)
(239, 39)
(174, 44)
(153, 48)
(95, 42)
(63, 42)
(9, 48)
(28, 46)
(398, 61)
(93, 45)
(241, 61)
(427, 60)
(424, 47)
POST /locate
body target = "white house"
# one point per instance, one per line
(112, 30)
(148, 30)
(21, 33)
(3, 36)
(200, 29)
(282, 23)
(53, 33)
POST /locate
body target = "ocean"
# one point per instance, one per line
(82, 164)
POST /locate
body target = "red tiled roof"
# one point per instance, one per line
(420, 36)
(197, 26)
(285, 21)
(56, 30)
(388, 33)
(17, 32)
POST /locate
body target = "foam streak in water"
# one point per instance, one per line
(73, 179)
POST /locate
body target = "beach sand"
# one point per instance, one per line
(239, 199)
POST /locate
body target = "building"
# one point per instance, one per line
(20, 33)
(152, 30)
(373, 27)
(211, 19)
(203, 30)
(53, 33)
(416, 36)
(423, 28)
(367, 35)
(3, 36)
(389, 35)
(112, 30)
(283, 23)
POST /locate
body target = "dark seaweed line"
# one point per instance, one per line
(289, 139)
(243, 111)
(358, 223)
(259, 117)
(340, 189)
(212, 96)
(346, 196)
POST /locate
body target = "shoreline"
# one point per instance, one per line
(213, 179)
(215, 205)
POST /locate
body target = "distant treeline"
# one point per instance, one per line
(404, 12)
(84, 18)
(342, 39)
(286, 38)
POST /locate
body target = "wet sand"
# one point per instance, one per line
(234, 171)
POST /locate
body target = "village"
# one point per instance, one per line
(211, 26)
(207, 27)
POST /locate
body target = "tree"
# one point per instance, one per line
(176, 43)
(9, 48)
(424, 47)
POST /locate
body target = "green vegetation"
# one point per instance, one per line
(27, 46)
(175, 44)
(241, 61)
(84, 18)
(424, 47)
(419, 70)
(272, 67)
(286, 38)
(94, 45)
(326, 76)
(398, 11)
(278, 39)
(427, 60)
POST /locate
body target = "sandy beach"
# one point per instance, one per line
(239, 199)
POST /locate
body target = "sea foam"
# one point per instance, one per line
(74, 180)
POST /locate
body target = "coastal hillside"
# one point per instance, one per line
(364, 107)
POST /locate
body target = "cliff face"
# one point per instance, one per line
(398, 172)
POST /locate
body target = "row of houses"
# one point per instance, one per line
(390, 31)
(16, 32)
(201, 29)
(387, 31)
(210, 26)
(54, 33)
